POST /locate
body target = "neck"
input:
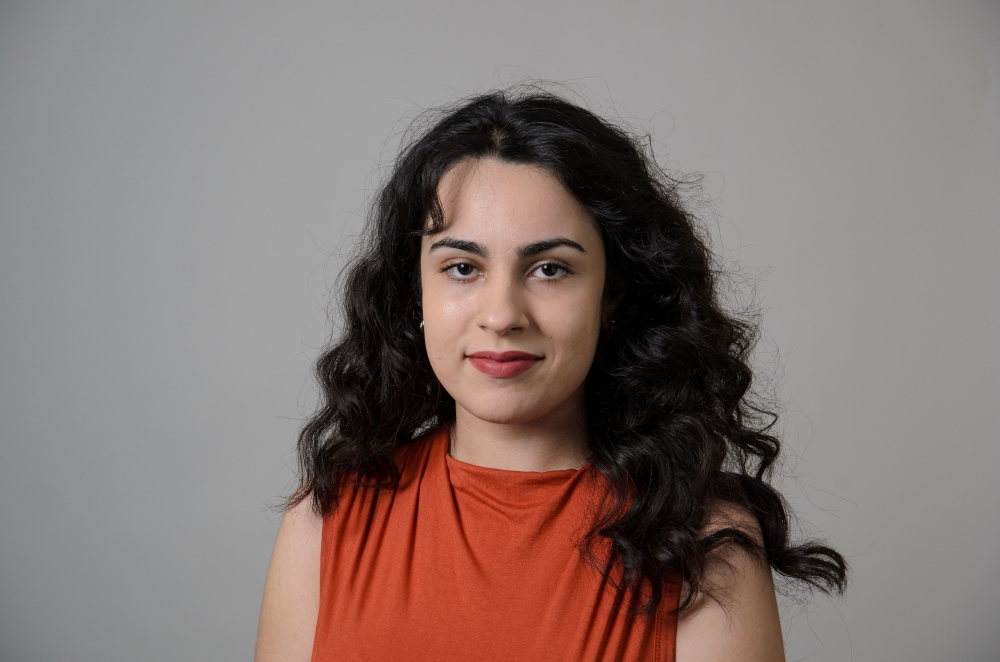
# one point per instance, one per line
(555, 441)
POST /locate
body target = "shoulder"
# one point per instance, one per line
(291, 592)
(728, 515)
(301, 523)
(739, 619)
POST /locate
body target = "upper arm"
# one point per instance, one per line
(291, 593)
(740, 622)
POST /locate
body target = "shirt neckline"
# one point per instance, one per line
(454, 462)
(517, 487)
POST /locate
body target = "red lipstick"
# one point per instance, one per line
(503, 364)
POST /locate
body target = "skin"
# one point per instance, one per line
(483, 293)
(741, 620)
(291, 592)
(486, 286)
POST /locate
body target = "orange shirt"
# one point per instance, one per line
(468, 563)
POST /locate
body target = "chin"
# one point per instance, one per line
(503, 410)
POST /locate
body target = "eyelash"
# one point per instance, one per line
(564, 272)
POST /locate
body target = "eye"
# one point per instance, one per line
(551, 270)
(460, 270)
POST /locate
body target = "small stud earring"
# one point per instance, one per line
(421, 325)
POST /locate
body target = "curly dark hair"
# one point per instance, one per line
(673, 426)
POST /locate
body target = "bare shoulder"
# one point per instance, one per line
(301, 521)
(727, 515)
(291, 593)
(739, 620)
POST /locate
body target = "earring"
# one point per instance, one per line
(421, 325)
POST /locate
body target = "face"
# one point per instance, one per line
(512, 292)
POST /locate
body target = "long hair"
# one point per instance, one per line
(673, 427)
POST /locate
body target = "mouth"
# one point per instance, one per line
(503, 364)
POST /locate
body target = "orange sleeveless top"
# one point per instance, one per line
(464, 562)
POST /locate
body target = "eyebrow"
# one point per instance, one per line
(544, 245)
(522, 252)
(460, 244)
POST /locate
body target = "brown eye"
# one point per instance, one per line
(550, 270)
(460, 270)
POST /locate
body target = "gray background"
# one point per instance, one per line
(179, 182)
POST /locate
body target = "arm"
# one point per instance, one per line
(742, 624)
(291, 593)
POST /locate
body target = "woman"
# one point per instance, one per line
(536, 439)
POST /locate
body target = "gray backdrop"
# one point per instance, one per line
(179, 182)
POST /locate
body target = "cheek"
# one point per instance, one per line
(443, 326)
(439, 300)
(573, 327)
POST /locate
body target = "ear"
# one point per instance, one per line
(614, 292)
(609, 307)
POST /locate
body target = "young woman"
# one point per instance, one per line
(536, 440)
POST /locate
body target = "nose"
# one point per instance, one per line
(501, 306)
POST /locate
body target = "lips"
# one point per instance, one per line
(503, 364)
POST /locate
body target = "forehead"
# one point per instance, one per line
(497, 201)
